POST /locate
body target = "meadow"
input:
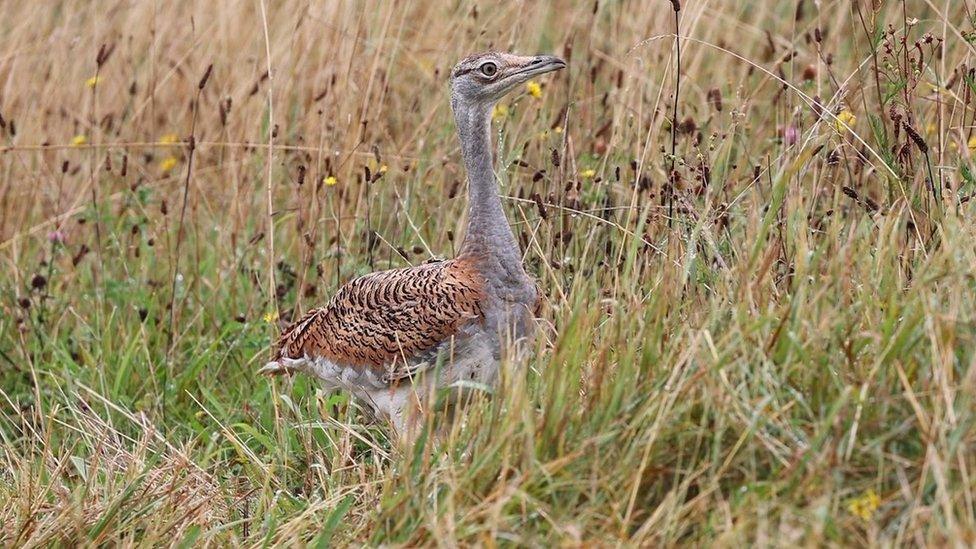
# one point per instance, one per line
(758, 269)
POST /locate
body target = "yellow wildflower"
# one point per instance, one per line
(270, 317)
(93, 81)
(864, 505)
(331, 181)
(169, 139)
(534, 89)
(383, 168)
(168, 163)
(78, 140)
(558, 129)
(845, 120)
(972, 144)
(588, 173)
(500, 112)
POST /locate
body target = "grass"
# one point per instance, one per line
(786, 359)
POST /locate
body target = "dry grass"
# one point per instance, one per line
(787, 358)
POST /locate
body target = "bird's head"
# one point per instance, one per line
(482, 79)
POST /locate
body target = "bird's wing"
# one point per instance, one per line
(388, 320)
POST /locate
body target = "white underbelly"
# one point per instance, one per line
(465, 362)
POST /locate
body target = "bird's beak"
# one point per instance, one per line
(539, 64)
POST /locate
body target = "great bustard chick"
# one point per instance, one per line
(381, 334)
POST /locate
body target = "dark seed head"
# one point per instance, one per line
(914, 135)
(104, 52)
(206, 76)
(38, 282)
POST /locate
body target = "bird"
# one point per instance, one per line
(392, 338)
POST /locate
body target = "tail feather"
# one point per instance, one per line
(282, 365)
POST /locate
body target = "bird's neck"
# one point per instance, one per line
(488, 234)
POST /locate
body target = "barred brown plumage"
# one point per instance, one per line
(382, 319)
(389, 337)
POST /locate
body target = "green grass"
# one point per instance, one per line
(791, 361)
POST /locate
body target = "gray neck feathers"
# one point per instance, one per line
(488, 234)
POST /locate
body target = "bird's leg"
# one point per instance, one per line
(406, 427)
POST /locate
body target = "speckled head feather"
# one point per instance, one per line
(486, 77)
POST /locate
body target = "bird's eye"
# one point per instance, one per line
(489, 69)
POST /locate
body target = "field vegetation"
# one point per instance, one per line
(758, 266)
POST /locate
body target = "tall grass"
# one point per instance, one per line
(788, 357)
